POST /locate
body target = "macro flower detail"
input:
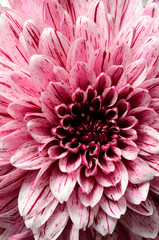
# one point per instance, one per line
(79, 135)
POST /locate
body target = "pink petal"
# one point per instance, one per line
(103, 223)
(22, 85)
(136, 72)
(66, 26)
(86, 183)
(31, 32)
(144, 115)
(140, 224)
(53, 13)
(115, 73)
(152, 86)
(148, 140)
(135, 193)
(27, 156)
(92, 198)
(139, 98)
(62, 184)
(121, 54)
(40, 129)
(100, 62)
(41, 71)
(56, 223)
(18, 109)
(82, 76)
(87, 28)
(113, 208)
(80, 50)
(54, 44)
(139, 171)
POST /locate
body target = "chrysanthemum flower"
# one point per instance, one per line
(79, 123)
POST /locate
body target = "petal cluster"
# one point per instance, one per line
(79, 120)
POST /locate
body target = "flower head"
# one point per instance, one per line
(79, 124)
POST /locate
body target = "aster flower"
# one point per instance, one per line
(79, 124)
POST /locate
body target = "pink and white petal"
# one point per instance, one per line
(136, 72)
(96, 12)
(22, 85)
(41, 71)
(79, 214)
(142, 28)
(140, 224)
(19, 108)
(70, 163)
(32, 30)
(81, 76)
(121, 54)
(129, 150)
(88, 29)
(149, 50)
(154, 185)
(148, 140)
(60, 74)
(152, 86)
(115, 72)
(117, 191)
(86, 183)
(27, 156)
(31, 200)
(53, 13)
(54, 44)
(127, 122)
(145, 208)
(108, 180)
(75, 8)
(113, 208)
(66, 26)
(139, 171)
(26, 7)
(80, 51)
(62, 184)
(103, 223)
(92, 198)
(38, 219)
(56, 223)
(10, 32)
(136, 193)
(100, 62)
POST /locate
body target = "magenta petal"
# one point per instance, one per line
(140, 224)
(92, 198)
(82, 76)
(129, 149)
(50, 41)
(135, 193)
(103, 223)
(62, 184)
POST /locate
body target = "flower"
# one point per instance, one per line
(79, 124)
